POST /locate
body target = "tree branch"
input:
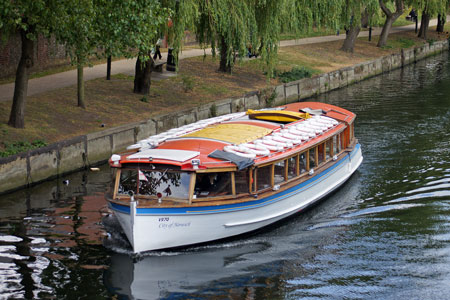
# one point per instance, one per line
(384, 8)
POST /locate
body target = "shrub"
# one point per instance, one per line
(17, 147)
(296, 73)
(188, 83)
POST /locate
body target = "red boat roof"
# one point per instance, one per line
(235, 132)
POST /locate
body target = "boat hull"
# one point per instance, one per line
(159, 228)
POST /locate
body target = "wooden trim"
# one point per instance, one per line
(216, 170)
(286, 167)
(116, 183)
(324, 151)
(233, 184)
(316, 156)
(250, 180)
(297, 165)
(192, 187)
(307, 160)
(220, 200)
(331, 148)
(272, 175)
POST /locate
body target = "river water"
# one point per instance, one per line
(384, 235)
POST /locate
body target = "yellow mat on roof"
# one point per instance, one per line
(284, 116)
(231, 133)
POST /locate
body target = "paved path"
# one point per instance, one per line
(126, 66)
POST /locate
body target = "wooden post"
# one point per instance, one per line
(233, 184)
(307, 161)
(192, 187)
(116, 184)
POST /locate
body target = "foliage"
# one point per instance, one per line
(268, 95)
(213, 110)
(234, 26)
(296, 73)
(17, 147)
(188, 83)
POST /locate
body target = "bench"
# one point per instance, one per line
(158, 66)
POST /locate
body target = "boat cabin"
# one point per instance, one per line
(234, 158)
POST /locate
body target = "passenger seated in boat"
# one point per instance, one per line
(213, 184)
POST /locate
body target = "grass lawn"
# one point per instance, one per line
(54, 116)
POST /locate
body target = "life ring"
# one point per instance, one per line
(286, 143)
(239, 151)
(299, 133)
(257, 149)
(289, 137)
(307, 130)
(322, 124)
(328, 119)
(269, 144)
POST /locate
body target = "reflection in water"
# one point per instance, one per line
(384, 235)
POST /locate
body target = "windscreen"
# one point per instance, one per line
(169, 183)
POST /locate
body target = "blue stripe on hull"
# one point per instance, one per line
(238, 206)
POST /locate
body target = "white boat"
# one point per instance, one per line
(233, 174)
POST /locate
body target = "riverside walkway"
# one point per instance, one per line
(126, 66)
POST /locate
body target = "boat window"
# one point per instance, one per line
(321, 152)
(264, 176)
(213, 184)
(302, 162)
(279, 172)
(328, 150)
(337, 144)
(292, 167)
(128, 182)
(168, 183)
(241, 182)
(312, 158)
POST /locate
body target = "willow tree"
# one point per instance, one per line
(233, 27)
(429, 9)
(355, 14)
(184, 16)
(227, 26)
(391, 16)
(29, 19)
(77, 31)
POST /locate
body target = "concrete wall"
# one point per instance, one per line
(34, 166)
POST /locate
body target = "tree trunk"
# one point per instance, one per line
(108, 68)
(350, 39)
(440, 24)
(80, 86)
(385, 31)
(390, 19)
(353, 32)
(225, 65)
(142, 77)
(17, 115)
(424, 25)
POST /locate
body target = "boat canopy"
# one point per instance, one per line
(231, 133)
(283, 116)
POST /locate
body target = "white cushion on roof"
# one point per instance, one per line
(169, 154)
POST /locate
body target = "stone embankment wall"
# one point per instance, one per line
(34, 166)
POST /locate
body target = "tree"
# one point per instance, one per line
(29, 19)
(235, 27)
(228, 26)
(429, 9)
(390, 19)
(356, 14)
(77, 31)
(441, 23)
